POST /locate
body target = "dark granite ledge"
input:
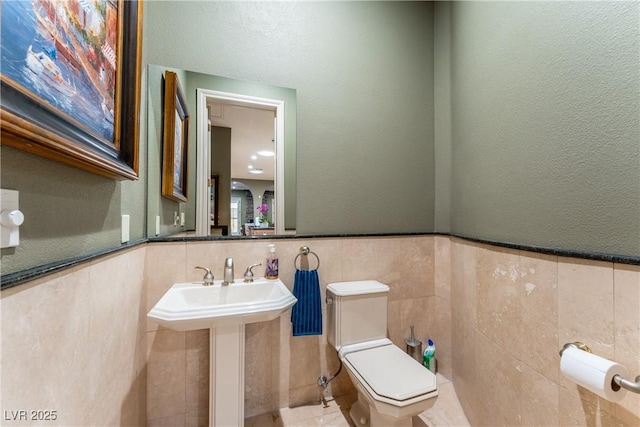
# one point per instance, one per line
(13, 279)
(285, 236)
(592, 256)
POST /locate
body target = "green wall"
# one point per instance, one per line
(68, 212)
(537, 143)
(546, 134)
(363, 74)
(442, 115)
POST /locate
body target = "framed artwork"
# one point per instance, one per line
(174, 140)
(71, 82)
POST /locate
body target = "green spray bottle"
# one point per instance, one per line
(429, 356)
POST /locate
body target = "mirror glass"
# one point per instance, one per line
(242, 165)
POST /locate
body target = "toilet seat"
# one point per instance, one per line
(389, 374)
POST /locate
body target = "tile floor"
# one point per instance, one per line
(446, 412)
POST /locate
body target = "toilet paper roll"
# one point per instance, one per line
(592, 372)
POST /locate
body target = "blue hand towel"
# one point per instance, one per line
(306, 314)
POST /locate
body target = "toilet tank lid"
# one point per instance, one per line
(357, 287)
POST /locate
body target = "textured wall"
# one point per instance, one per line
(442, 115)
(363, 72)
(68, 212)
(546, 111)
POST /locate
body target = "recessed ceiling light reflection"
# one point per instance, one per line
(266, 153)
(256, 170)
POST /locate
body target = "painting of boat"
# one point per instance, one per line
(70, 82)
(43, 66)
(61, 41)
(69, 57)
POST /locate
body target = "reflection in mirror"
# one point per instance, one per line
(234, 125)
(243, 136)
(255, 202)
(253, 165)
(214, 202)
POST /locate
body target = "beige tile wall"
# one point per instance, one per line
(75, 343)
(280, 370)
(511, 313)
(78, 342)
(442, 330)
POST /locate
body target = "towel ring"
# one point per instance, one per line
(304, 250)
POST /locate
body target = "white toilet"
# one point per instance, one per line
(392, 386)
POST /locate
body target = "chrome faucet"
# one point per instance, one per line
(228, 272)
(248, 274)
(207, 280)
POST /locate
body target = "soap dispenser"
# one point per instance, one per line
(271, 271)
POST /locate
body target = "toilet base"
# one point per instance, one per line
(364, 415)
(360, 414)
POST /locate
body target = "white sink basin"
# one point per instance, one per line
(190, 306)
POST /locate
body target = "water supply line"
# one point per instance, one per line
(324, 383)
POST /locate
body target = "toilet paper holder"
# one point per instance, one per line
(617, 382)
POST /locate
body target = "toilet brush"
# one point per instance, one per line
(414, 347)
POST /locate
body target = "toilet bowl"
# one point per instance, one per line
(392, 386)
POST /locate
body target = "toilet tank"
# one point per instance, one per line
(356, 312)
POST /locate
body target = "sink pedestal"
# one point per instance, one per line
(224, 310)
(226, 376)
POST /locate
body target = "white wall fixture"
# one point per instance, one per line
(10, 219)
(601, 376)
(125, 228)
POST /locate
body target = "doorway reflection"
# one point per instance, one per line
(255, 204)
(242, 153)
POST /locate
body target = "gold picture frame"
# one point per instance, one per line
(67, 94)
(175, 140)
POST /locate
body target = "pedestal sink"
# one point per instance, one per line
(224, 310)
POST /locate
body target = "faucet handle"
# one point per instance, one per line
(207, 280)
(248, 275)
